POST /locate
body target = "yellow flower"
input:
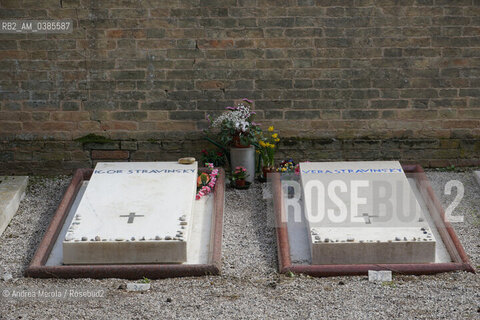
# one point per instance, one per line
(276, 140)
(262, 143)
(270, 128)
(275, 135)
(284, 169)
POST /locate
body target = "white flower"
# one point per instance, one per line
(242, 126)
(238, 116)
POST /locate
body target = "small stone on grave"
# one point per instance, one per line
(187, 160)
(138, 287)
(379, 276)
(7, 276)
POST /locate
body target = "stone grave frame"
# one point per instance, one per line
(446, 231)
(39, 269)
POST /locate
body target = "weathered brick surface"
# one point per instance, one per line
(110, 155)
(399, 73)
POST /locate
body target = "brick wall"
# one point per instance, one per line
(342, 79)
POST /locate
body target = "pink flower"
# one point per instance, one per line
(209, 165)
(209, 187)
(247, 100)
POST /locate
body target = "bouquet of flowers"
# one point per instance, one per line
(239, 175)
(206, 182)
(236, 127)
(216, 157)
(289, 166)
(268, 148)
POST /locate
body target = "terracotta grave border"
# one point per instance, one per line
(446, 231)
(38, 269)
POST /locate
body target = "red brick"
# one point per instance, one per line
(58, 126)
(209, 84)
(49, 126)
(70, 116)
(110, 154)
(175, 126)
(119, 125)
(212, 44)
(156, 44)
(157, 115)
(7, 55)
(461, 124)
(15, 116)
(74, 75)
(88, 126)
(10, 126)
(439, 163)
(115, 33)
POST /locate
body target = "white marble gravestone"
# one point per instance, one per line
(12, 191)
(133, 212)
(363, 212)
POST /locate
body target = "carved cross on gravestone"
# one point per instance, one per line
(367, 217)
(131, 216)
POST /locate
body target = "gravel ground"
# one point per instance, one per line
(249, 286)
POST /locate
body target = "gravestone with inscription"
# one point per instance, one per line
(363, 212)
(133, 212)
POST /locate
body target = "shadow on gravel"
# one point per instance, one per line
(263, 230)
(49, 205)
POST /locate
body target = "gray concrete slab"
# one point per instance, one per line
(12, 191)
(299, 236)
(133, 212)
(355, 224)
(198, 249)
